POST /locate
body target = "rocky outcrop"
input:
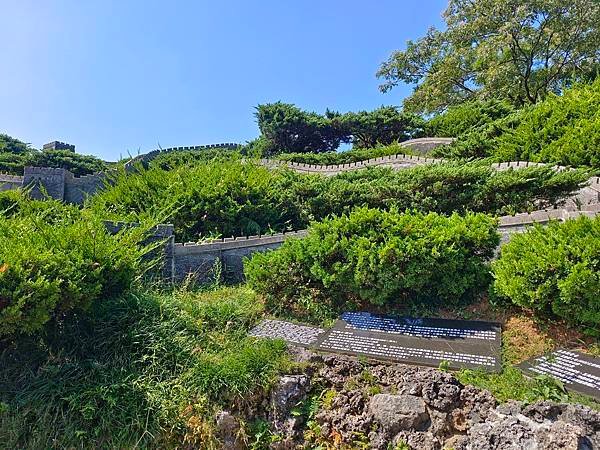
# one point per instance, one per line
(395, 406)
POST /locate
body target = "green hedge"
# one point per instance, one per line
(234, 198)
(372, 257)
(562, 129)
(554, 270)
(54, 260)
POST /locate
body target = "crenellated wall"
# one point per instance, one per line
(147, 157)
(224, 257)
(9, 182)
(200, 260)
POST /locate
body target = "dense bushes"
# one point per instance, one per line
(461, 119)
(232, 198)
(561, 129)
(142, 370)
(350, 156)
(554, 269)
(53, 261)
(443, 188)
(370, 257)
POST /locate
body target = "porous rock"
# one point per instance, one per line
(398, 412)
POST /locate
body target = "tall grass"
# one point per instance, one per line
(144, 370)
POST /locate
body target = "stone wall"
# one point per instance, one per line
(59, 184)
(147, 157)
(164, 234)
(78, 188)
(203, 261)
(9, 182)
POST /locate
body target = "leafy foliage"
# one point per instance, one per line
(382, 126)
(53, 261)
(286, 128)
(370, 257)
(508, 49)
(350, 156)
(554, 270)
(15, 155)
(12, 145)
(561, 129)
(234, 198)
(463, 118)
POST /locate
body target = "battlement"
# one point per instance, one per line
(57, 145)
(147, 157)
(9, 178)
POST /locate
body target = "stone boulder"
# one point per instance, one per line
(398, 412)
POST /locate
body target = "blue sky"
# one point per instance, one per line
(118, 77)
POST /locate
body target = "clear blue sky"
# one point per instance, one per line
(114, 77)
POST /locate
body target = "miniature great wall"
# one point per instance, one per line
(224, 257)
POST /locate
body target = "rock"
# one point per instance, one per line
(540, 426)
(475, 405)
(228, 431)
(398, 412)
(505, 434)
(288, 392)
(417, 440)
(455, 442)
(561, 436)
(440, 390)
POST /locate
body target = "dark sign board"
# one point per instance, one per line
(578, 372)
(427, 342)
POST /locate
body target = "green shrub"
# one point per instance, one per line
(461, 119)
(443, 188)
(178, 158)
(53, 261)
(350, 156)
(378, 258)
(554, 270)
(225, 197)
(229, 197)
(562, 129)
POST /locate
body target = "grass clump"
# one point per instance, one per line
(143, 369)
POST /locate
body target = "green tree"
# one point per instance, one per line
(519, 50)
(9, 144)
(382, 126)
(285, 127)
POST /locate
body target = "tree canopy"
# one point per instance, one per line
(286, 128)
(519, 50)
